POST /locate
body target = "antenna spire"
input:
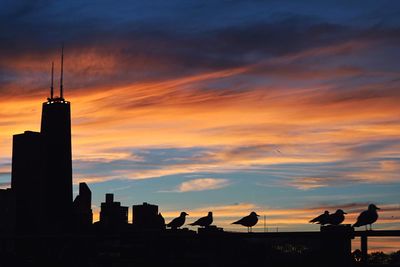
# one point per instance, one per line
(52, 80)
(62, 71)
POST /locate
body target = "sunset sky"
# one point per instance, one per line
(286, 108)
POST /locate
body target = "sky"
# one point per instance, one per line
(286, 108)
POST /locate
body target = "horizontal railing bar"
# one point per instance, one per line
(386, 233)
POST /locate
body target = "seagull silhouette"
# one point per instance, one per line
(204, 221)
(321, 219)
(336, 218)
(367, 217)
(178, 222)
(248, 221)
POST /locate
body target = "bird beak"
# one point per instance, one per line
(344, 212)
(257, 215)
(377, 208)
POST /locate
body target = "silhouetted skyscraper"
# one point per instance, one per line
(26, 181)
(57, 161)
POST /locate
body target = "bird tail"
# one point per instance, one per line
(192, 224)
(356, 224)
(235, 223)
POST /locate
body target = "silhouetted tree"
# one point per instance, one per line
(378, 258)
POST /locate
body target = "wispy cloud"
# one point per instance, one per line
(5, 185)
(201, 184)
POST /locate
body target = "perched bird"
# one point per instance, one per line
(204, 221)
(321, 219)
(367, 217)
(248, 221)
(178, 222)
(336, 218)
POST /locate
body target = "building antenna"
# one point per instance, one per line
(62, 72)
(52, 81)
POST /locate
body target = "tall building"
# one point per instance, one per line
(57, 160)
(26, 181)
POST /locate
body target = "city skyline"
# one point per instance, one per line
(244, 124)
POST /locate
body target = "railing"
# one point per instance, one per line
(364, 239)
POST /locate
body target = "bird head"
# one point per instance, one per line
(210, 213)
(183, 214)
(373, 207)
(326, 212)
(339, 211)
(254, 214)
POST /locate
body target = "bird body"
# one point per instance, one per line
(248, 221)
(204, 221)
(178, 222)
(336, 218)
(321, 219)
(367, 217)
